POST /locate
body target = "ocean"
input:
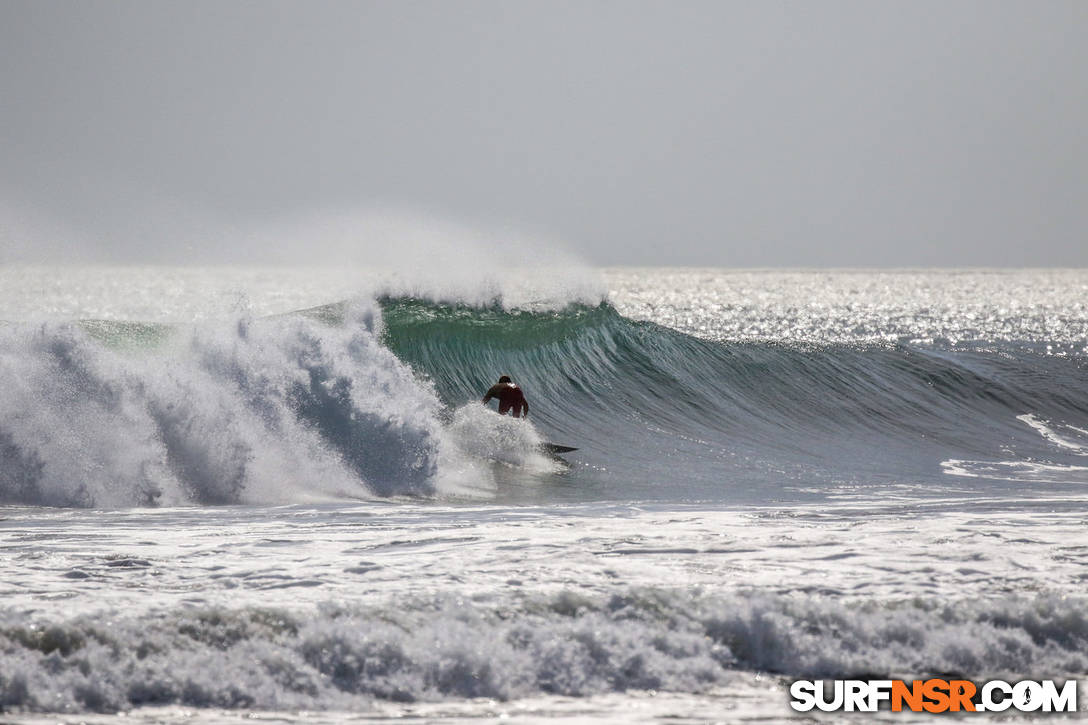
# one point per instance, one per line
(236, 494)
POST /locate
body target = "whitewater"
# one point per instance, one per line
(249, 493)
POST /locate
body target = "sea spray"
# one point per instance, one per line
(504, 439)
(258, 410)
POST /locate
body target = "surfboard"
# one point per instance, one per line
(554, 450)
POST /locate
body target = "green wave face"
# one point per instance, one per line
(464, 350)
(743, 420)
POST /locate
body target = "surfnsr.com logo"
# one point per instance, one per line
(933, 695)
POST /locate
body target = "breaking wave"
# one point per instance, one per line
(368, 399)
(341, 657)
(260, 411)
(749, 421)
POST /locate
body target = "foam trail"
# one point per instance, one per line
(1031, 470)
(1049, 433)
(1025, 471)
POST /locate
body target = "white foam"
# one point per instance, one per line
(253, 411)
(341, 656)
(479, 432)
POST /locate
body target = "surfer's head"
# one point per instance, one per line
(505, 379)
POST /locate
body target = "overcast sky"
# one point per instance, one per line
(868, 133)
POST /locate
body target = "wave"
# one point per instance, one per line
(344, 656)
(261, 411)
(738, 416)
(368, 399)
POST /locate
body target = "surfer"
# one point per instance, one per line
(510, 397)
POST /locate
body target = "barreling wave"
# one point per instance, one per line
(362, 399)
(741, 418)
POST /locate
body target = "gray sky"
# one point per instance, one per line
(942, 133)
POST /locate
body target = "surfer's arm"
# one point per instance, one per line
(491, 393)
(525, 407)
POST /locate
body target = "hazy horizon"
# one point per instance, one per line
(738, 135)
